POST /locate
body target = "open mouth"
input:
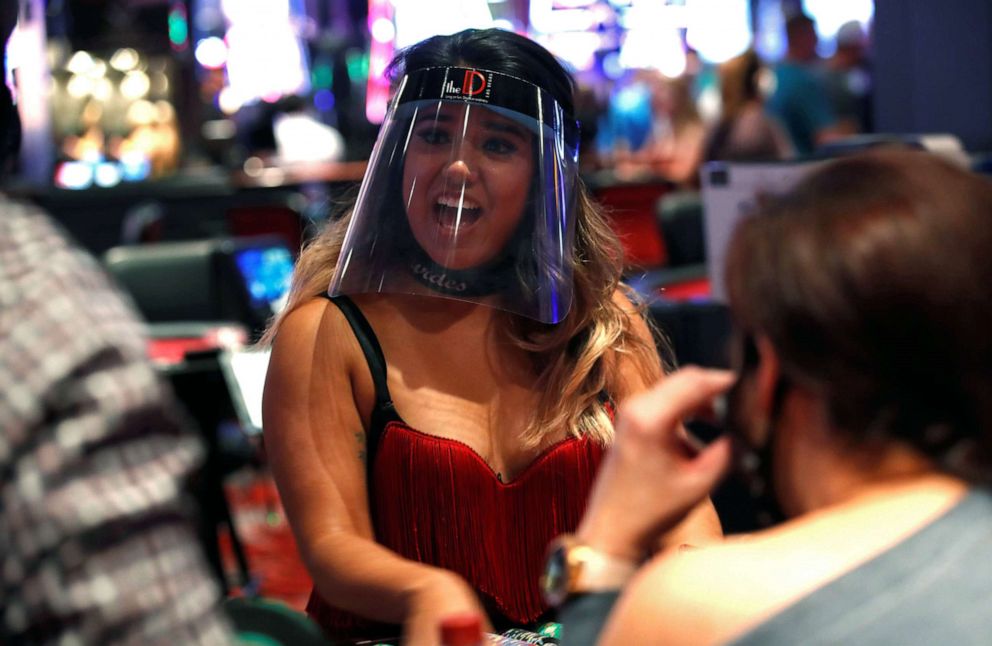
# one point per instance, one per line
(456, 212)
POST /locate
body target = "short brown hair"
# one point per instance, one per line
(872, 280)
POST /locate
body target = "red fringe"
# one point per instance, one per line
(438, 502)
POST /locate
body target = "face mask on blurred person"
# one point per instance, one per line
(754, 448)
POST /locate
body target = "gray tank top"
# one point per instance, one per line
(933, 588)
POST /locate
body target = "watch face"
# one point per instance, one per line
(553, 582)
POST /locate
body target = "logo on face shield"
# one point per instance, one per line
(440, 280)
(475, 85)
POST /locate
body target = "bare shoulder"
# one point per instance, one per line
(310, 328)
(634, 312)
(701, 596)
(622, 300)
(301, 324)
(637, 363)
(314, 432)
(314, 344)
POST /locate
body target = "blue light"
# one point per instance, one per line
(323, 100)
(107, 174)
(135, 167)
(267, 272)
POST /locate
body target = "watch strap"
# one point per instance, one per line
(576, 568)
(596, 571)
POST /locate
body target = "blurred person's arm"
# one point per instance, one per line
(700, 525)
(315, 441)
(96, 539)
(839, 130)
(648, 484)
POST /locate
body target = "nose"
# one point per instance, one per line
(461, 169)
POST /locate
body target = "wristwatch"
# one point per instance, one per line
(575, 568)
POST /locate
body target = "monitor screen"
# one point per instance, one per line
(266, 271)
(731, 191)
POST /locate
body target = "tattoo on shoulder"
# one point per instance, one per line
(360, 439)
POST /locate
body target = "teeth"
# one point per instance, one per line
(452, 202)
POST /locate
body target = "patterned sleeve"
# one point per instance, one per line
(96, 543)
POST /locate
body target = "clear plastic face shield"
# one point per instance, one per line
(469, 195)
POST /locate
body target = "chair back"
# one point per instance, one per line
(630, 209)
(218, 280)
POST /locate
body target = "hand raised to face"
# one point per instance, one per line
(651, 476)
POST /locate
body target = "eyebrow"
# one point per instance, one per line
(490, 124)
(502, 126)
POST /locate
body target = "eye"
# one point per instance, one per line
(500, 146)
(433, 136)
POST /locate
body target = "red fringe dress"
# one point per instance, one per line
(436, 501)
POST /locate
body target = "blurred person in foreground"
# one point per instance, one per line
(864, 397)
(96, 546)
(441, 382)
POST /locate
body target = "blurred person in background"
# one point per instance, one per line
(673, 148)
(442, 379)
(676, 145)
(863, 402)
(590, 107)
(745, 130)
(626, 122)
(848, 75)
(800, 100)
(96, 541)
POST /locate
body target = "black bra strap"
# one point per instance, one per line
(383, 411)
(370, 345)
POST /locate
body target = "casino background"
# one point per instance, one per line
(194, 145)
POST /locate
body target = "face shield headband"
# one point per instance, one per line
(469, 195)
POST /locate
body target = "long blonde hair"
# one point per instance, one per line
(576, 361)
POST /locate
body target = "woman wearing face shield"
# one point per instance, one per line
(864, 390)
(441, 384)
